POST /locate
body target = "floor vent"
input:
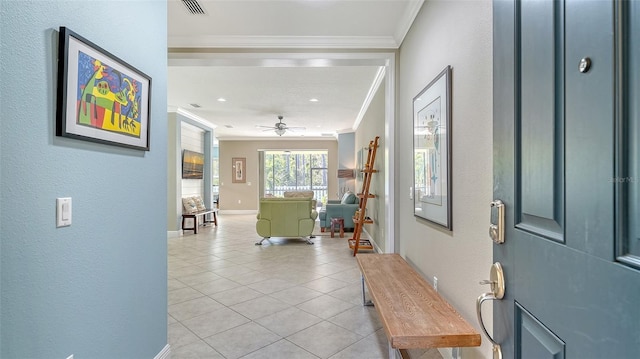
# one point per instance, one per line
(194, 7)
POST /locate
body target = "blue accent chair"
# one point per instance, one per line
(345, 208)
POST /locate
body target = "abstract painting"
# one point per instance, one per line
(100, 97)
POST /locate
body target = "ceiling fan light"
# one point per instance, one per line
(280, 131)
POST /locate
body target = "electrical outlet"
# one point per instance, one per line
(435, 283)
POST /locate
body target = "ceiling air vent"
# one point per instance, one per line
(194, 7)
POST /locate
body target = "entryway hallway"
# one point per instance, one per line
(229, 298)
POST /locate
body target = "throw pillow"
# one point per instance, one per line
(199, 203)
(348, 198)
(189, 205)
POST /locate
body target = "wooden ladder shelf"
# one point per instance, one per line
(360, 218)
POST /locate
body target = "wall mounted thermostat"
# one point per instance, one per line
(63, 212)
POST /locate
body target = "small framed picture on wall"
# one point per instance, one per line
(239, 169)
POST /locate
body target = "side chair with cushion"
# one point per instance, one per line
(286, 217)
(344, 208)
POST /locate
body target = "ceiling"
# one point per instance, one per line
(256, 88)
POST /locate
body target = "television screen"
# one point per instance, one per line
(192, 165)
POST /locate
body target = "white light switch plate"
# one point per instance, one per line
(63, 212)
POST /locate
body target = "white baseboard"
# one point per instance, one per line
(172, 234)
(165, 353)
(375, 245)
(238, 211)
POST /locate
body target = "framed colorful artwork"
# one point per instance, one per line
(239, 169)
(101, 98)
(432, 151)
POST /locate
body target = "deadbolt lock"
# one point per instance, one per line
(496, 230)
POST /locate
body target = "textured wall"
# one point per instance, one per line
(456, 33)
(96, 289)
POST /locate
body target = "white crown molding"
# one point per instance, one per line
(370, 95)
(299, 42)
(407, 20)
(189, 115)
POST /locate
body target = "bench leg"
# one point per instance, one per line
(195, 224)
(215, 218)
(365, 302)
(262, 240)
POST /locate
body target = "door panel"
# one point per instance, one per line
(535, 339)
(628, 180)
(540, 141)
(589, 121)
(562, 141)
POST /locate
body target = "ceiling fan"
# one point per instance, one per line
(280, 127)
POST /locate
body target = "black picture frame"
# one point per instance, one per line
(100, 97)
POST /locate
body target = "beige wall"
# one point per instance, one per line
(247, 193)
(456, 33)
(372, 125)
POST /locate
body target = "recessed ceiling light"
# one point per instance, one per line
(314, 100)
(222, 99)
(228, 126)
(195, 105)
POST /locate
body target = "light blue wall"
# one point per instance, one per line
(96, 289)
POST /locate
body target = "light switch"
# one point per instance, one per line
(63, 212)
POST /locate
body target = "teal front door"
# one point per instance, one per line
(566, 158)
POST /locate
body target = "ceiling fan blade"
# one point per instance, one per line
(297, 128)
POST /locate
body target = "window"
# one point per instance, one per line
(296, 171)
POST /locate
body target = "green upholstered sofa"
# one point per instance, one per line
(344, 208)
(286, 217)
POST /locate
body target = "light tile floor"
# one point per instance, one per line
(229, 298)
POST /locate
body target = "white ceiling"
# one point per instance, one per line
(257, 91)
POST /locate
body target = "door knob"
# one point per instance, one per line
(496, 280)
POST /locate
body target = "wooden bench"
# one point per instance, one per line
(195, 216)
(413, 314)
